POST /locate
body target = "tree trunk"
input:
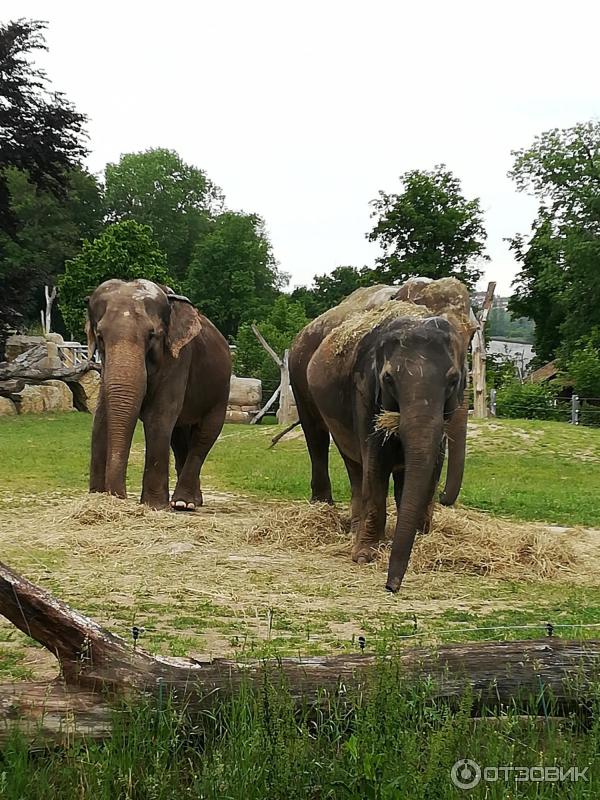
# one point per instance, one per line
(97, 668)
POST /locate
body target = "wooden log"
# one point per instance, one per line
(30, 368)
(96, 667)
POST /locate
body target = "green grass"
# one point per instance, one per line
(400, 742)
(520, 468)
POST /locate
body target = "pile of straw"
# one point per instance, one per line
(461, 541)
(302, 526)
(388, 422)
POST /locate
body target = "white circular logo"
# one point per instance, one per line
(465, 774)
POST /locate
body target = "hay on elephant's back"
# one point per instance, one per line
(302, 526)
(359, 324)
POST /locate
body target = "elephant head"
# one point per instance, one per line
(138, 328)
(420, 379)
(448, 295)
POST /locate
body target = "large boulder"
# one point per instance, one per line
(47, 396)
(7, 407)
(86, 391)
(18, 344)
(245, 391)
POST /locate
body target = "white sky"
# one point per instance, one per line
(302, 111)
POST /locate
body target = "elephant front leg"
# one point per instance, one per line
(374, 497)
(355, 475)
(99, 445)
(155, 484)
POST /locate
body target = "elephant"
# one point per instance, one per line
(166, 364)
(410, 361)
(446, 294)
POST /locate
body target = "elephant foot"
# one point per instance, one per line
(393, 585)
(182, 502)
(322, 498)
(363, 553)
(181, 505)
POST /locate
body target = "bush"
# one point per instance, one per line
(527, 401)
(583, 367)
(125, 250)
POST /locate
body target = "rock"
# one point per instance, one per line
(86, 391)
(557, 529)
(238, 416)
(18, 344)
(47, 396)
(7, 407)
(250, 409)
(54, 337)
(245, 391)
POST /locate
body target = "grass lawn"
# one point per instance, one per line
(519, 468)
(203, 583)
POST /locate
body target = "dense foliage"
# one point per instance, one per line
(429, 229)
(327, 291)
(177, 200)
(233, 276)
(125, 250)
(42, 138)
(528, 401)
(558, 285)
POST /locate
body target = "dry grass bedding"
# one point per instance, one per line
(242, 571)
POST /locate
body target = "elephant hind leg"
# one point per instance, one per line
(180, 444)
(316, 434)
(355, 475)
(188, 493)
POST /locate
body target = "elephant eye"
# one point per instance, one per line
(388, 378)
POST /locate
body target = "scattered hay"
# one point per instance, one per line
(388, 422)
(468, 542)
(359, 324)
(461, 541)
(97, 509)
(302, 526)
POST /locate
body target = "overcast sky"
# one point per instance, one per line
(302, 111)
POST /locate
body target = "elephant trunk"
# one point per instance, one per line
(421, 453)
(457, 440)
(124, 387)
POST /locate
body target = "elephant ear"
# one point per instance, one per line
(184, 325)
(91, 338)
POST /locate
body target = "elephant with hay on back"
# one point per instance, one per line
(384, 373)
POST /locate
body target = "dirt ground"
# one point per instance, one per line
(244, 576)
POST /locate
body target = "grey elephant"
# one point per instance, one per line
(399, 361)
(166, 364)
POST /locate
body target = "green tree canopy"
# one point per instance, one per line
(233, 276)
(42, 135)
(429, 229)
(279, 328)
(125, 250)
(157, 188)
(559, 282)
(48, 230)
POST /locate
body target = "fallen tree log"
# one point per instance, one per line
(97, 668)
(30, 367)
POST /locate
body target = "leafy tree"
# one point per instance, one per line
(327, 291)
(279, 328)
(559, 281)
(430, 229)
(41, 134)
(583, 366)
(233, 276)
(157, 188)
(48, 231)
(125, 250)
(539, 287)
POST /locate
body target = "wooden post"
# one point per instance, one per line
(47, 315)
(285, 415)
(478, 356)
